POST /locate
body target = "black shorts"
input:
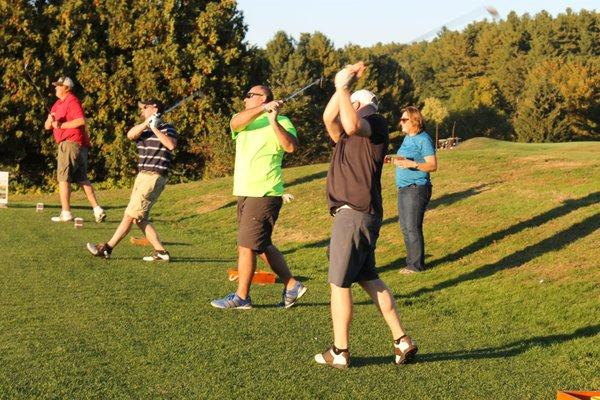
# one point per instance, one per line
(352, 247)
(256, 218)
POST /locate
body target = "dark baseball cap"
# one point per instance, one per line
(153, 102)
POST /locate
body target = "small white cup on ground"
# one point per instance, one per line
(78, 222)
(39, 207)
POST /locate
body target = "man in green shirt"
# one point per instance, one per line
(262, 136)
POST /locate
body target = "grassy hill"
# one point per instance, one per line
(509, 310)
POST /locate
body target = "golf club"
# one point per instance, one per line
(459, 21)
(36, 88)
(197, 93)
(300, 91)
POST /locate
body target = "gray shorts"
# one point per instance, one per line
(352, 247)
(256, 218)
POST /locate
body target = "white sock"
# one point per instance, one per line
(98, 210)
(66, 214)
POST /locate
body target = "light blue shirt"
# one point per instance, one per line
(414, 148)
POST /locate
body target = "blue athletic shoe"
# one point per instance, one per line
(232, 300)
(289, 297)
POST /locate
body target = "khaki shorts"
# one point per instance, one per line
(72, 161)
(146, 189)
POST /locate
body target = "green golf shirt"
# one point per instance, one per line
(258, 158)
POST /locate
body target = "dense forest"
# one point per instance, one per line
(523, 78)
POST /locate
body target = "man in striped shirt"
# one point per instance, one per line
(155, 142)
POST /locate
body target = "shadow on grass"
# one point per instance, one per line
(312, 245)
(198, 215)
(566, 208)
(58, 206)
(448, 199)
(507, 350)
(486, 241)
(512, 349)
(202, 260)
(306, 179)
(553, 243)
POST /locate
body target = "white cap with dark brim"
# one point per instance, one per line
(64, 81)
(365, 97)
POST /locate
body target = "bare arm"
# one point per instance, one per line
(49, 121)
(288, 142)
(331, 118)
(76, 123)
(430, 164)
(166, 140)
(137, 130)
(243, 119)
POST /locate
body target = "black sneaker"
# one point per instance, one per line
(158, 255)
(101, 250)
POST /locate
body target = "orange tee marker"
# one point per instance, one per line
(570, 395)
(139, 241)
(261, 277)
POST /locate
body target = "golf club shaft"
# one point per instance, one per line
(180, 102)
(300, 91)
(36, 88)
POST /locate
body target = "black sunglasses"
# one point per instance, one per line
(250, 95)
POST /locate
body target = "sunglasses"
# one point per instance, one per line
(403, 120)
(250, 95)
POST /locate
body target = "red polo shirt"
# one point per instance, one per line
(66, 110)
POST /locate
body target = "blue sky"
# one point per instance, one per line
(367, 22)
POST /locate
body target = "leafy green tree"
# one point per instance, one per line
(542, 116)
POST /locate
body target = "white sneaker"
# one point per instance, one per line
(329, 357)
(158, 256)
(65, 216)
(99, 215)
(405, 350)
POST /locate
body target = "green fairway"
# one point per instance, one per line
(509, 310)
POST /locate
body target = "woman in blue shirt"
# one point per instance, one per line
(417, 159)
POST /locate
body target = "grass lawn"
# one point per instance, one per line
(509, 310)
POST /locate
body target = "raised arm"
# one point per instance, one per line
(288, 142)
(243, 119)
(331, 118)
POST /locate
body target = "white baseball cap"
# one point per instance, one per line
(365, 97)
(64, 81)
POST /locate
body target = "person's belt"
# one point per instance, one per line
(345, 206)
(144, 171)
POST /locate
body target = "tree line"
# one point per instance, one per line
(526, 78)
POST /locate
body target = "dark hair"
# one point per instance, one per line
(154, 102)
(415, 116)
(268, 92)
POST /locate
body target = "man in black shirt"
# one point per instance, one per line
(354, 197)
(155, 141)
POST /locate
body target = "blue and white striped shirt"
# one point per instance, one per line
(153, 155)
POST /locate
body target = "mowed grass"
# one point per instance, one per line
(509, 310)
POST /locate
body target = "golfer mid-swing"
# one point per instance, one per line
(354, 196)
(262, 136)
(155, 140)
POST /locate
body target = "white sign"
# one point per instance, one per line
(3, 189)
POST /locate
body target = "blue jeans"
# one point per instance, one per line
(412, 201)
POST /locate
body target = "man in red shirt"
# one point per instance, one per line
(67, 122)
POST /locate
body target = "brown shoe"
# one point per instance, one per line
(405, 350)
(407, 271)
(332, 358)
(101, 250)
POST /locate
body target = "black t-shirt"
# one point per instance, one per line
(354, 176)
